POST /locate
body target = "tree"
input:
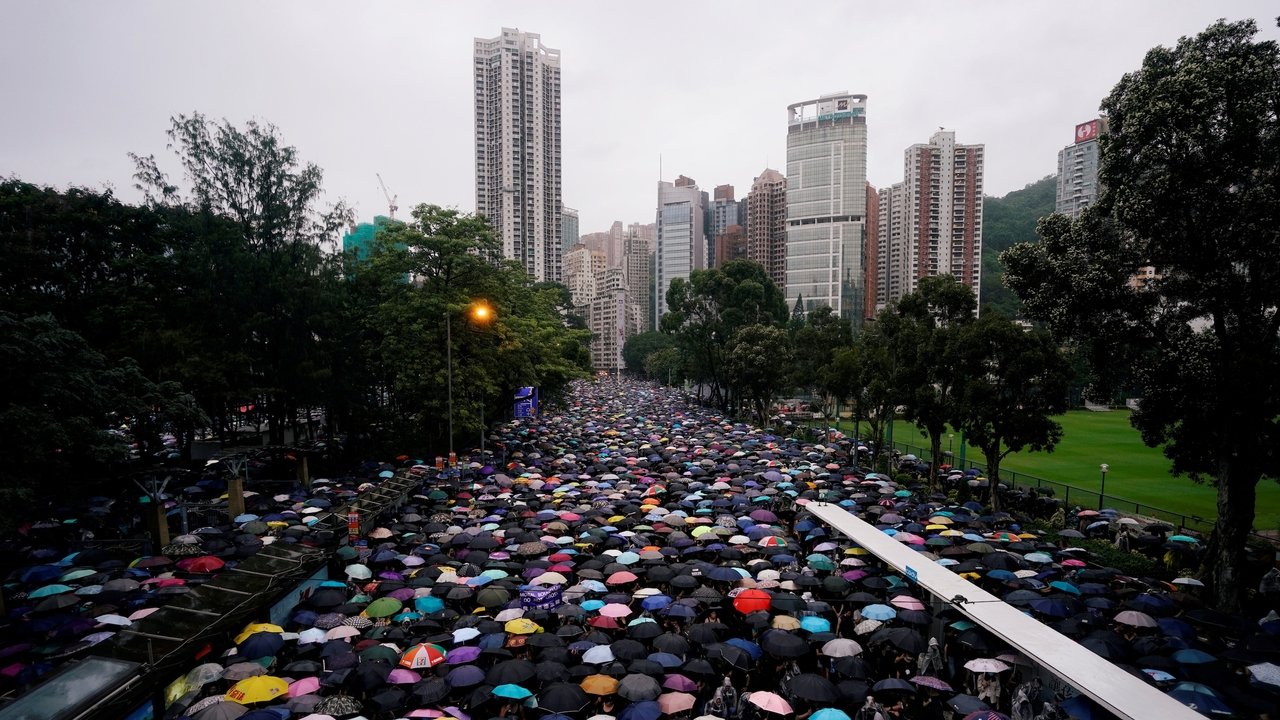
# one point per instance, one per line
(1006, 221)
(821, 334)
(865, 376)
(250, 178)
(1191, 168)
(756, 365)
(1016, 380)
(637, 349)
(60, 421)
(706, 311)
(928, 356)
(666, 365)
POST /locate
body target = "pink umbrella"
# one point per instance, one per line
(676, 702)
(906, 602)
(621, 577)
(401, 676)
(305, 686)
(770, 702)
(909, 538)
(142, 613)
(615, 610)
(679, 682)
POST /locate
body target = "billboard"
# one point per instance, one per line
(526, 402)
(1087, 131)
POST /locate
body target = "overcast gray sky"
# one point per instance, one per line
(367, 87)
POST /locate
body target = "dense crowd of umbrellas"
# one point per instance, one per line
(632, 557)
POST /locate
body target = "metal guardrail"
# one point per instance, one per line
(1072, 495)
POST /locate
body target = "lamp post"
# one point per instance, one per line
(950, 439)
(480, 312)
(1103, 492)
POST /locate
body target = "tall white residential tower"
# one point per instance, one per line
(517, 115)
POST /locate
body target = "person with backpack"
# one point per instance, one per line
(871, 710)
(724, 701)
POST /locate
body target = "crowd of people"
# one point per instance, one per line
(631, 556)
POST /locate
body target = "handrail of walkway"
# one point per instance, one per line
(162, 644)
(1119, 692)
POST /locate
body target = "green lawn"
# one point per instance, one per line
(1136, 472)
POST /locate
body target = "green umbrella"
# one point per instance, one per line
(77, 574)
(383, 607)
(380, 652)
(820, 562)
(49, 591)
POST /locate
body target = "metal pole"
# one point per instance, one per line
(482, 428)
(448, 351)
(1103, 491)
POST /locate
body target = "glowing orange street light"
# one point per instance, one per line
(479, 312)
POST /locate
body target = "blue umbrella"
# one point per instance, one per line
(749, 647)
(655, 602)
(814, 624)
(643, 710)
(829, 714)
(514, 692)
(1202, 702)
(1192, 656)
(879, 612)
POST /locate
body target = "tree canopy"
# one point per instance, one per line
(1191, 171)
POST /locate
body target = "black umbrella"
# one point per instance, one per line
(781, 643)
(549, 672)
(852, 667)
(893, 685)
(670, 643)
(563, 697)
(636, 687)
(339, 705)
(965, 704)
(904, 639)
(814, 688)
(627, 649)
(730, 654)
(430, 691)
(510, 672)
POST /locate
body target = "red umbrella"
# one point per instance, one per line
(749, 601)
(202, 564)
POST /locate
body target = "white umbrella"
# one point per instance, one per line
(986, 665)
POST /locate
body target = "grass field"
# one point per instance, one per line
(1136, 472)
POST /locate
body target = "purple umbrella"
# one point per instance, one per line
(932, 683)
(462, 655)
(465, 676)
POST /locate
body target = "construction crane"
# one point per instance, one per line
(391, 200)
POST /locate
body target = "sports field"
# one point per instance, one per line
(1135, 471)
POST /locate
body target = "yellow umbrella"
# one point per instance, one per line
(855, 551)
(941, 520)
(260, 688)
(786, 622)
(599, 685)
(522, 626)
(700, 531)
(252, 628)
(935, 527)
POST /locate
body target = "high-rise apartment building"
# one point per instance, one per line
(638, 271)
(871, 255)
(731, 245)
(583, 269)
(893, 255)
(931, 224)
(767, 224)
(517, 123)
(1078, 170)
(827, 203)
(723, 212)
(568, 229)
(682, 244)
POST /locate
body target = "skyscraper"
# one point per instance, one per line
(871, 255)
(517, 118)
(826, 203)
(893, 255)
(767, 224)
(1078, 170)
(682, 243)
(638, 269)
(942, 213)
(568, 229)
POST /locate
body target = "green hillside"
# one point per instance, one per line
(1006, 221)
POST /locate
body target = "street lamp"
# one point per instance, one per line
(1102, 493)
(950, 439)
(480, 312)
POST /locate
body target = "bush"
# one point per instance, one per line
(1129, 563)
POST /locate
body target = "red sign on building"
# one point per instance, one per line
(1086, 131)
